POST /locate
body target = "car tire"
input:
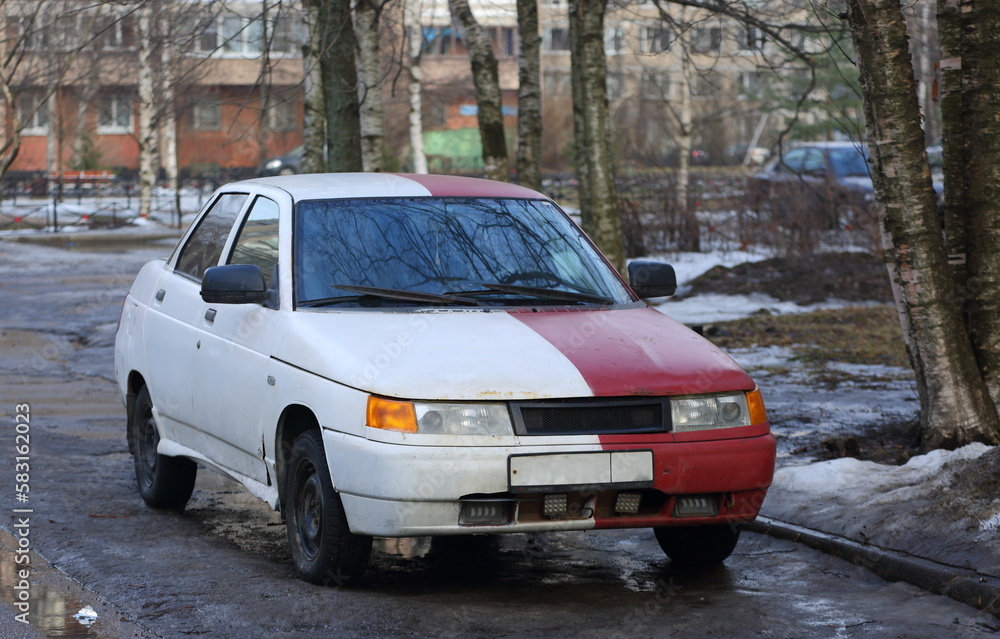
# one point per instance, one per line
(324, 549)
(698, 545)
(286, 170)
(164, 482)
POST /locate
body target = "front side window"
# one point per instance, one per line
(204, 248)
(257, 242)
(498, 251)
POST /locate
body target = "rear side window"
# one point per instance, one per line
(204, 247)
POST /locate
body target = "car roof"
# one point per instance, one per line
(323, 186)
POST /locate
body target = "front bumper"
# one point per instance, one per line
(393, 490)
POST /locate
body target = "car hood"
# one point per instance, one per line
(508, 354)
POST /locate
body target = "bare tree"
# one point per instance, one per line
(529, 97)
(411, 24)
(367, 18)
(486, 78)
(955, 404)
(314, 133)
(333, 41)
(598, 198)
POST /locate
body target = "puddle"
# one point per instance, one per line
(58, 606)
(51, 612)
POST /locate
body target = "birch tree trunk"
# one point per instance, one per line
(955, 404)
(599, 209)
(168, 122)
(338, 69)
(983, 210)
(148, 141)
(418, 159)
(486, 78)
(314, 120)
(529, 97)
(367, 16)
(689, 235)
(954, 62)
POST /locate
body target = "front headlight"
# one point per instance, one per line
(439, 419)
(709, 412)
(273, 164)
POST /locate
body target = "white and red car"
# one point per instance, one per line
(404, 355)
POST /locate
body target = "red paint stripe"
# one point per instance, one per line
(452, 186)
(637, 352)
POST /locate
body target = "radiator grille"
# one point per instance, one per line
(577, 418)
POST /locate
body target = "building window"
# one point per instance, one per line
(704, 85)
(556, 39)
(282, 116)
(241, 36)
(655, 39)
(206, 35)
(442, 41)
(117, 32)
(752, 39)
(503, 41)
(283, 36)
(115, 114)
(706, 40)
(206, 114)
(616, 86)
(33, 112)
(657, 86)
(34, 33)
(750, 84)
(614, 40)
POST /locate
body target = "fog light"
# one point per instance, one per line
(696, 506)
(483, 513)
(627, 503)
(555, 505)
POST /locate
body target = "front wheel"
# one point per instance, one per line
(164, 482)
(698, 545)
(323, 547)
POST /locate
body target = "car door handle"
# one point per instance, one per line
(210, 315)
(160, 294)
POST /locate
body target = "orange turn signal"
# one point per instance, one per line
(755, 403)
(389, 414)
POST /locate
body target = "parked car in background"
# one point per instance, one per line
(288, 164)
(404, 355)
(826, 182)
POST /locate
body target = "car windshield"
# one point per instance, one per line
(480, 251)
(849, 162)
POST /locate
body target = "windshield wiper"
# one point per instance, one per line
(373, 292)
(539, 292)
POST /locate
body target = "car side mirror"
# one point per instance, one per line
(234, 284)
(652, 279)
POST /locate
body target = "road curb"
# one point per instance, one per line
(92, 237)
(969, 587)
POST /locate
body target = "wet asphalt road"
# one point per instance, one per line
(221, 568)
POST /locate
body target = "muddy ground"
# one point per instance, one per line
(805, 279)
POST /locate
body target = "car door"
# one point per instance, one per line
(230, 375)
(169, 326)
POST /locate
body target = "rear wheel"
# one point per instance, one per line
(323, 547)
(698, 545)
(164, 482)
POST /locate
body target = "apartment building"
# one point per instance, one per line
(237, 81)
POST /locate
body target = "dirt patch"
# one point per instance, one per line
(805, 279)
(855, 335)
(893, 443)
